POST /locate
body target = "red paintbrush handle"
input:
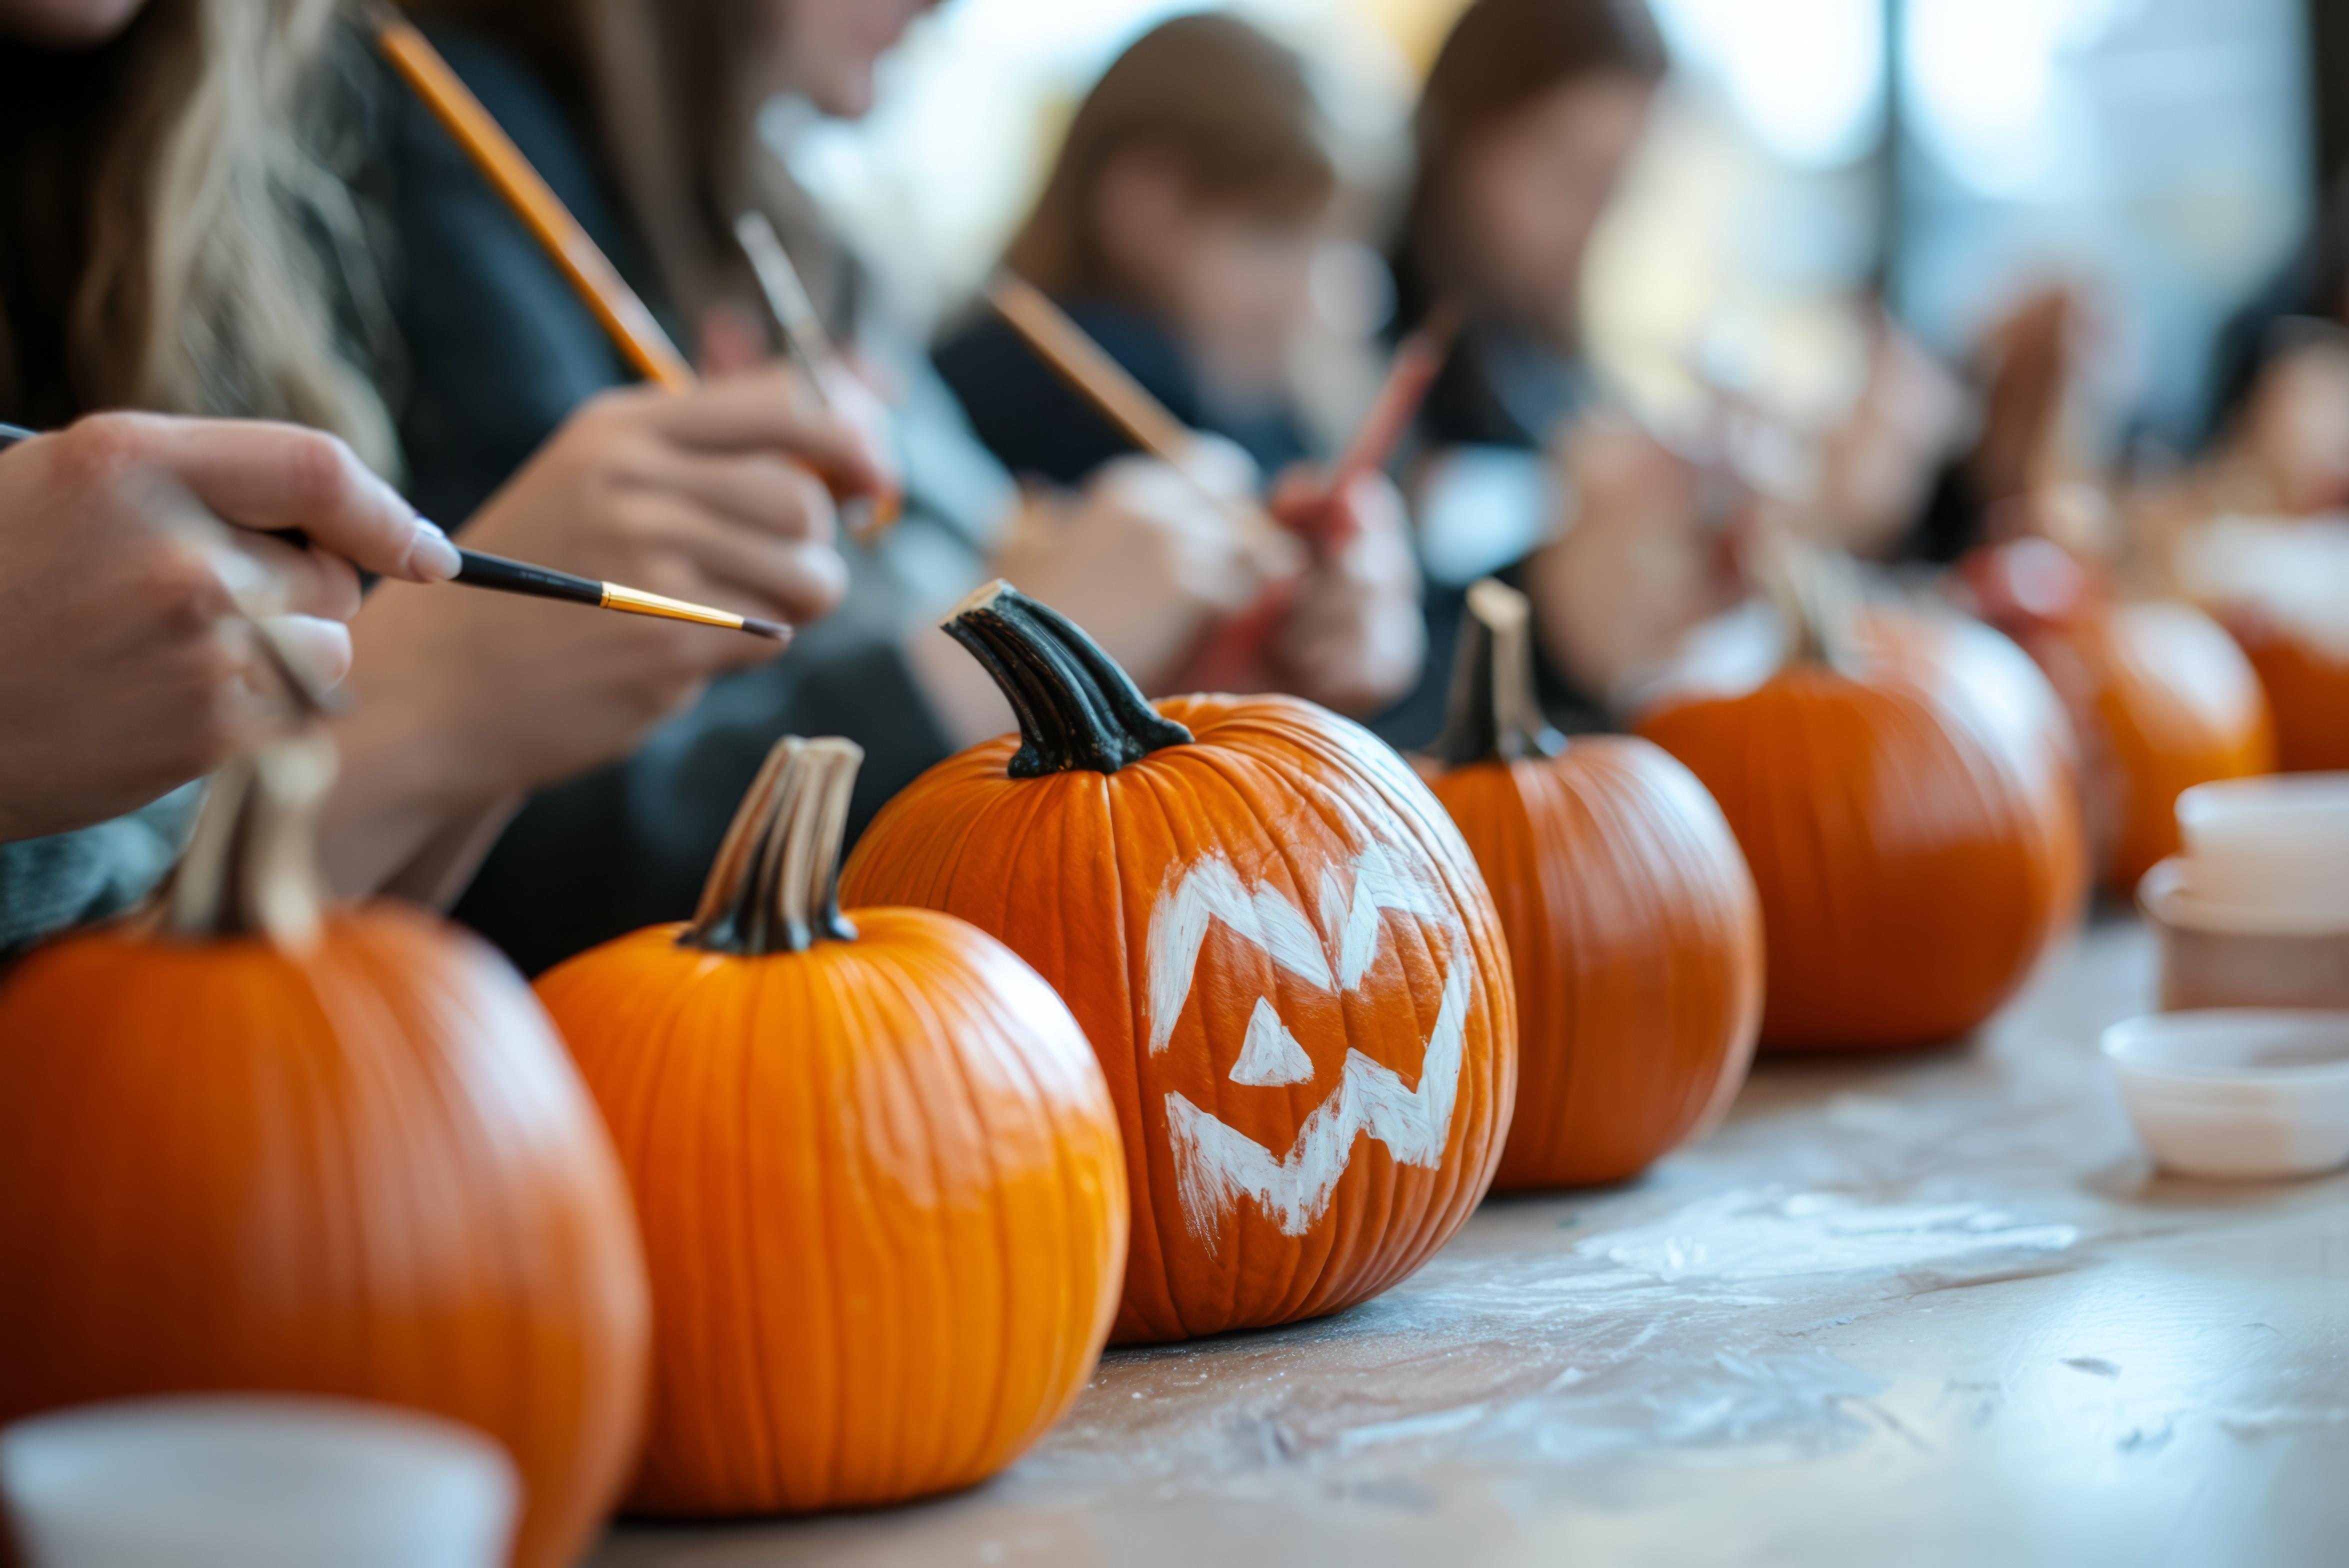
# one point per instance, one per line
(1231, 652)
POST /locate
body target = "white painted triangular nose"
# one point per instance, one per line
(1270, 1054)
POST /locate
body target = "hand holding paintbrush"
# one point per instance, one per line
(150, 611)
(1361, 629)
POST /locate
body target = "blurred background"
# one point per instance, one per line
(2165, 156)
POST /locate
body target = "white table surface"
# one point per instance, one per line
(1924, 1311)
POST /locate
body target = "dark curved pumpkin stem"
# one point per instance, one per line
(775, 887)
(251, 868)
(1493, 716)
(1077, 708)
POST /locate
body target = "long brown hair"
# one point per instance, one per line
(1501, 57)
(1229, 107)
(165, 229)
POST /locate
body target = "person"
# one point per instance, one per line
(1529, 115)
(136, 550)
(1178, 227)
(243, 280)
(640, 115)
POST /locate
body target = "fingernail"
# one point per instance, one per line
(433, 557)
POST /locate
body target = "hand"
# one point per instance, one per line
(462, 699)
(1635, 570)
(127, 665)
(1354, 638)
(1148, 561)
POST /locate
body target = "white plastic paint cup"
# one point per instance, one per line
(260, 1482)
(2238, 1094)
(2275, 847)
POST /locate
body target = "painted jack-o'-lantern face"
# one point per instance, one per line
(1275, 942)
(1215, 1164)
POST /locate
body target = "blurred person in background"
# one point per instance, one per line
(1179, 227)
(179, 237)
(1528, 118)
(642, 117)
(2277, 431)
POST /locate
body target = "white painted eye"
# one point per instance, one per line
(1270, 1054)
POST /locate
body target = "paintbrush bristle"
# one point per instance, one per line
(774, 629)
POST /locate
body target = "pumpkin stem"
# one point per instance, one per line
(1492, 715)
(775, 887)
(1815, 591)
(251, 868)
(1077, 708)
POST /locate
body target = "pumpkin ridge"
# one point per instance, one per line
(749, 1065)
(1339, 814)
(1339, 1274)
(1226, 767)
(988, 1434)
(1133, 1154)
(926, 1010)
(1157, 783)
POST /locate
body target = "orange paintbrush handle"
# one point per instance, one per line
(619, 308)
(623, 312)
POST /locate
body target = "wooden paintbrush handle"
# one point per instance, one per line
(623, 312)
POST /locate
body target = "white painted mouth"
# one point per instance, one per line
(1215, 1164)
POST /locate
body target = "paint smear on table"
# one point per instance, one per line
(1766, 1236)
(1689, 1333)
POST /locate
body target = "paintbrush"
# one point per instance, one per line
(1087, 366)
(1418, 359)
(623, 312)
(807, 343)
(500, 575)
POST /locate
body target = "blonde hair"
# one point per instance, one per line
(186, 224)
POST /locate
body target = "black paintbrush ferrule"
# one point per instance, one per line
(480, 571)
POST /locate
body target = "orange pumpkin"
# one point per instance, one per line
(2161, 698)
(268, 1147)
(1910, 827)
(883, 1197)
(1632, 923)
(2307, 686)
(1277, 944)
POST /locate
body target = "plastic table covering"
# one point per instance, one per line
(1932, 1310)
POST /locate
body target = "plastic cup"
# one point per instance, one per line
(2237, 1094)
(2276, 846)
(262, 1481)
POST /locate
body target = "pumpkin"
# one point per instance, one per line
(1633, 927)
(1910, 827)
(251, 1143)
(2306, 680)
(2161, 698)
(2281, 587)
(883, 1197)
(1276, 942)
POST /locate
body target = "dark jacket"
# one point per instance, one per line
(1035, 423)
(1497, 388)
(497, 351)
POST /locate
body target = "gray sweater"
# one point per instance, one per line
(47, 884)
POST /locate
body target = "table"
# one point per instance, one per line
(1929, 1311)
